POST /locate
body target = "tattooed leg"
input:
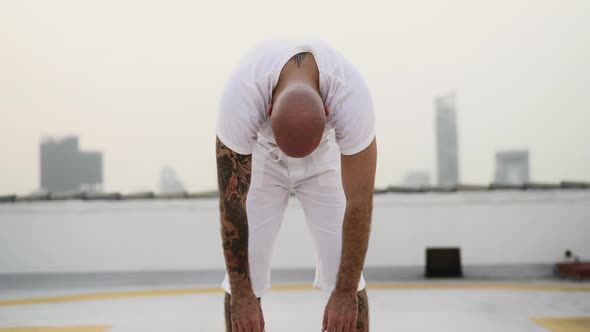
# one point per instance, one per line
(362, 322)
(227, 303)
(227, 312)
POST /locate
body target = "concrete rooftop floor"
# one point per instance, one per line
(457, 306)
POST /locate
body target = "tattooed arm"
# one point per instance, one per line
(233, 172)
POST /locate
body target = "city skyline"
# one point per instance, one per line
(512, 167)
(144, 88)
(64, 167)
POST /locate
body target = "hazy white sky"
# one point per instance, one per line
(140, 80)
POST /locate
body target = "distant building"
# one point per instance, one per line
(447, 150)
(169, 181)
(65, 168)
(512, 167)
(417, 179)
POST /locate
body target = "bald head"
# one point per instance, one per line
(298, 120)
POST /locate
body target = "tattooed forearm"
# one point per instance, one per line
(233, 173)
(299, 58)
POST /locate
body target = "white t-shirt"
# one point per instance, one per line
(243, 114)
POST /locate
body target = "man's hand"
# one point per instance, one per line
(341, 312)
(246, 314)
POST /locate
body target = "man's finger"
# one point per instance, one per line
(351, 326)
(325, 321)
(346, 325)
(331, 323)
(255, 326)
(245, 327)
(261, 321)
(251, 326)
(234, 326)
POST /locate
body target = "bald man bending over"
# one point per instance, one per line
(296, 116)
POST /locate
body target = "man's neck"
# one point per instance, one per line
(300, 69)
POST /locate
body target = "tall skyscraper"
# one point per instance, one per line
(65, 168)
(512, 167)
(447, 150)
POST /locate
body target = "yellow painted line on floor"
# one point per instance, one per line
(56, 329)
(479, 286)
(110, 296)
(569, 324)
(457, 286)
(293, 287)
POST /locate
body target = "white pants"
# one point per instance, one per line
(317, 183)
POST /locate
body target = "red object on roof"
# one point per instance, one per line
(578, 270)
